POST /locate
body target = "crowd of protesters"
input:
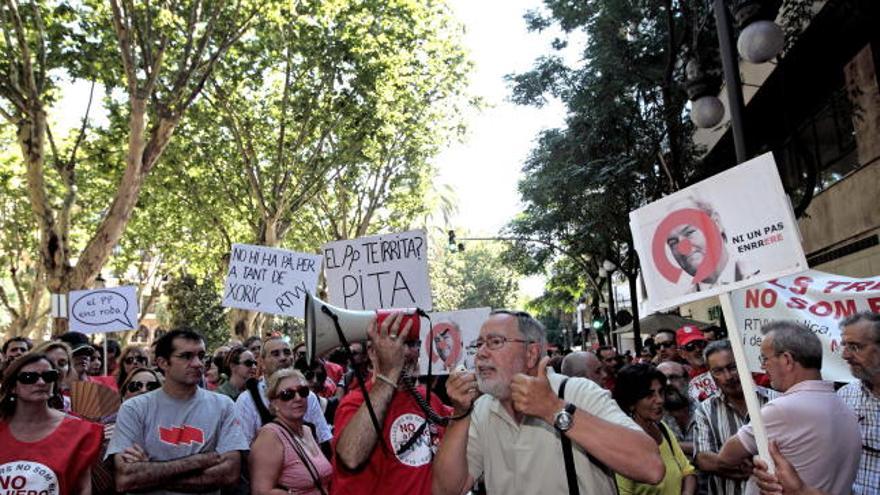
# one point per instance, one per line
(258, 417)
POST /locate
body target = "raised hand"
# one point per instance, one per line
(461, 387)
(532, 395)
(388, 346)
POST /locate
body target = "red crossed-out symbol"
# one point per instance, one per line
(701, 221)
(181, 435)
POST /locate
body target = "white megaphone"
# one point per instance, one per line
(321, 333)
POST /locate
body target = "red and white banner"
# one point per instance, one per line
(817, 299)
(729, 231)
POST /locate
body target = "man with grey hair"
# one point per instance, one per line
(861, 350)
(521, 421)
(812, 426)
(682, 422)
(585, 365)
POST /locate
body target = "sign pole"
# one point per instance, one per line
(745, 378)
(105, 354)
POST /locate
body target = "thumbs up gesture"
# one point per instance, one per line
(532, 395)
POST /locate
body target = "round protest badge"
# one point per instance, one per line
(703, 223)
(402, 429)
(447, 344)
(27, 477)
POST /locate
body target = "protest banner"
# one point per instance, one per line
(270, 280)
(452, 333)
(818, 300)
(103, 310)
(379, 272)
(729, 231)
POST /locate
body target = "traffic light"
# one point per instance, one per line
(597, 321)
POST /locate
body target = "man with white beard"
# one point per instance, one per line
(520, 422)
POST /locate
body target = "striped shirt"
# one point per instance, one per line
(867, 407)
(716, 421)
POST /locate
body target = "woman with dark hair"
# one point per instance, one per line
(42, 446)
(132, 357)
(640, 392)
(242, 366)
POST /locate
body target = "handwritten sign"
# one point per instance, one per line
(103, 310)
(385, 271)
(729, 231)
(270, 280)
(818, 300)
(449, 340)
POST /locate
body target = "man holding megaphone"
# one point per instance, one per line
(512, 436)
(400, 460)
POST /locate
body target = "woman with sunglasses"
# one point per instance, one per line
(42, 446)
(242, 367)
(285, 458)
(132, 357)
(60, 356)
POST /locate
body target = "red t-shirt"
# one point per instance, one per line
(388, 472)
(334, 371)
(52, 465)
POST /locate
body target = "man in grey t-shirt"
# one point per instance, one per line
(180, 438)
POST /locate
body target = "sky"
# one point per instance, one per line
(485, 167)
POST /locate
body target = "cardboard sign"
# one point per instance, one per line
(379, 272)
(729, 231)
(270, 280)
(818, 300)
(452, 334)
(103, 310)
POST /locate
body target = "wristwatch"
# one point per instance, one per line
(564, 418)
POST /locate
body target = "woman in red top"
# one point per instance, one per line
(44, 450)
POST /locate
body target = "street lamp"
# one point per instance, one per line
(608, 267)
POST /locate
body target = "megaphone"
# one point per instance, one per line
(322, 318)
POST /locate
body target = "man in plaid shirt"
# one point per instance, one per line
(861, 350)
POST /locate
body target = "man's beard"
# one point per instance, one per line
(494, 387)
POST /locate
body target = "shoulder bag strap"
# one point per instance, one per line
(567, 454)
(253, 388)
(309, 465)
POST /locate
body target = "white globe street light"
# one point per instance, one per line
(760, 41)
(707, 111)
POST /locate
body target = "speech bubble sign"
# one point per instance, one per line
(103, 310)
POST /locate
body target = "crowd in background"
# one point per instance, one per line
(258, 417)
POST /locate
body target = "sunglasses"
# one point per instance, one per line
(250, 363)
(693, 346)
(666, 345)
(31, 377)
(133, 359)
(133, 387)
(290, 393)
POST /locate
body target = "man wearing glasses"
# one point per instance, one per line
(512, 436)
(180, 438)
(399, 461)
(861, 350)
(718, 418)
(667, 350)
(691, 343)
(813, 427)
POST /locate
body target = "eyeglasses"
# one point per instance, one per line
(278, 352)
(415, 344)
(762, 359)
(677, 377)
(852, 347)
(31, 377)
(289, 394)
(666, 345)
(495, 342)
(135, 359)
(730, 368)
(250, 363)
(695, 345)
(133, 387)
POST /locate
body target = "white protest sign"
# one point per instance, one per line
(379, 272)
(452, 334)
(729, 231)
(270, 280)
(103, 310)
(818, 300)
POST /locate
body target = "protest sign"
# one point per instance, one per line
(452, 333)
(103, 310)
(384, 271)
(270, 280)
(729, 231)
(818, 300)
